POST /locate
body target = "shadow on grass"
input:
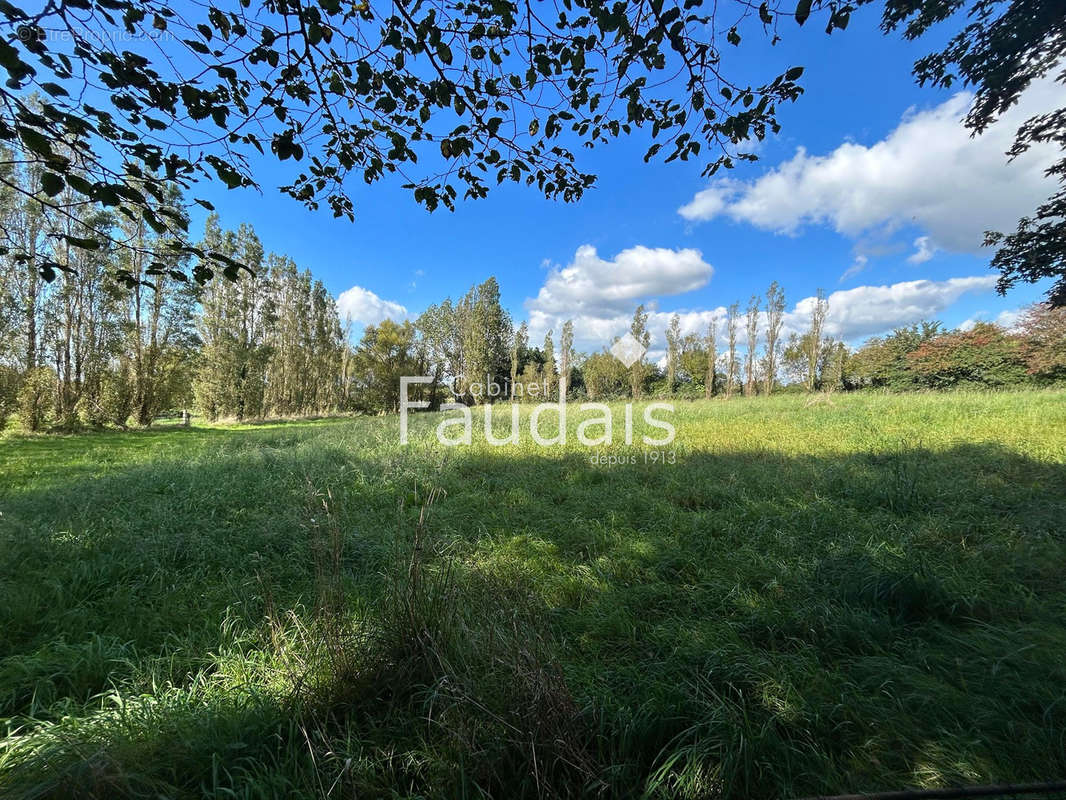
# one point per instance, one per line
(739, 623)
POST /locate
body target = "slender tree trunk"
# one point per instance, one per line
(30, 310)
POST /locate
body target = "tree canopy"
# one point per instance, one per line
(116, 101)
(1000, 50)
(116, 98)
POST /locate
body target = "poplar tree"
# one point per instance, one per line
(638, 370)
(673, 352)
(711, 346)
(775, 312)
(752, 329)
(519, 345)
(812, 341)
(732, 321)
(566, 354)
(549, 374)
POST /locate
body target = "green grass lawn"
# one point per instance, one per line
(865, 595)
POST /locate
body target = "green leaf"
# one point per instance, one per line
(36, 141)
(83, 242)
(803, 10)
(51, 183)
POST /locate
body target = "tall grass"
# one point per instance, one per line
(812, 599)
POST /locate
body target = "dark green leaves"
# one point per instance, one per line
(83, 242)
(334, 99)
(51, 184)
(48, 269)
(803, 11)
(36, 142)
(226, 173)
(285, 146)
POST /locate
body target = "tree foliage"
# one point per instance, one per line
(751, 331)
(639, 371)
(732, 369)
(605, 377)
(451, 98)
(673, 352)
(775, 313)
(882, 361)
(985, 356)
(386, 353)
(115, 102)
(1043, 330)
(1002, 48)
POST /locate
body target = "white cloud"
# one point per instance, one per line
(600, 295)
(858, 266)
(869, 310)
(928, 172)
(1006, 319)
(363, 306)
(592, 284)
(1009, 319)
(923, 251)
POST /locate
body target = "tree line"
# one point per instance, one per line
(118, 337)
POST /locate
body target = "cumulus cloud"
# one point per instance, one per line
(923, 251)
(928, 172)
(602, 293)
(593, 284)
(870, 310)
(599, 296)
(364, 307)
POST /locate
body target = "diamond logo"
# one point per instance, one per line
(628, 350)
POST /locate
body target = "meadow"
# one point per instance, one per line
(858, 595)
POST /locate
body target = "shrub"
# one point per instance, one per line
(884, 362)
(986, 355)
(116, 397)
(9, 389)
(605, 377)
(38, 388)
(1044, 343)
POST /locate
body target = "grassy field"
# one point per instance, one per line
(865, 595)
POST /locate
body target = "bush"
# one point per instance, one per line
(985, 356)
(116, 398)
(1044, 342)
(605, 377)
(9, 390)
(34, 398)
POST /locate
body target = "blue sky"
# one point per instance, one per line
(871, 186)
